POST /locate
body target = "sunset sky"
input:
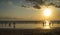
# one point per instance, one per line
(13, 9)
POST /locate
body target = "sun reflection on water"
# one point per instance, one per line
(46, 25)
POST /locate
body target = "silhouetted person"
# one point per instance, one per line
(14, 24)
(9, 24)
(43, 24)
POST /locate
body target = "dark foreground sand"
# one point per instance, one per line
(30, 31)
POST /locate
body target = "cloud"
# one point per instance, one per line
(29, 3)
(36, 6)
(10, 2)
(57, 6)
(6, 2)
(24, 6)
(23, 3)
(35, 3)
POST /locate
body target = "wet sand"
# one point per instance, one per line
(29, 31)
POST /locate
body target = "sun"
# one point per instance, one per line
(47, 12)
